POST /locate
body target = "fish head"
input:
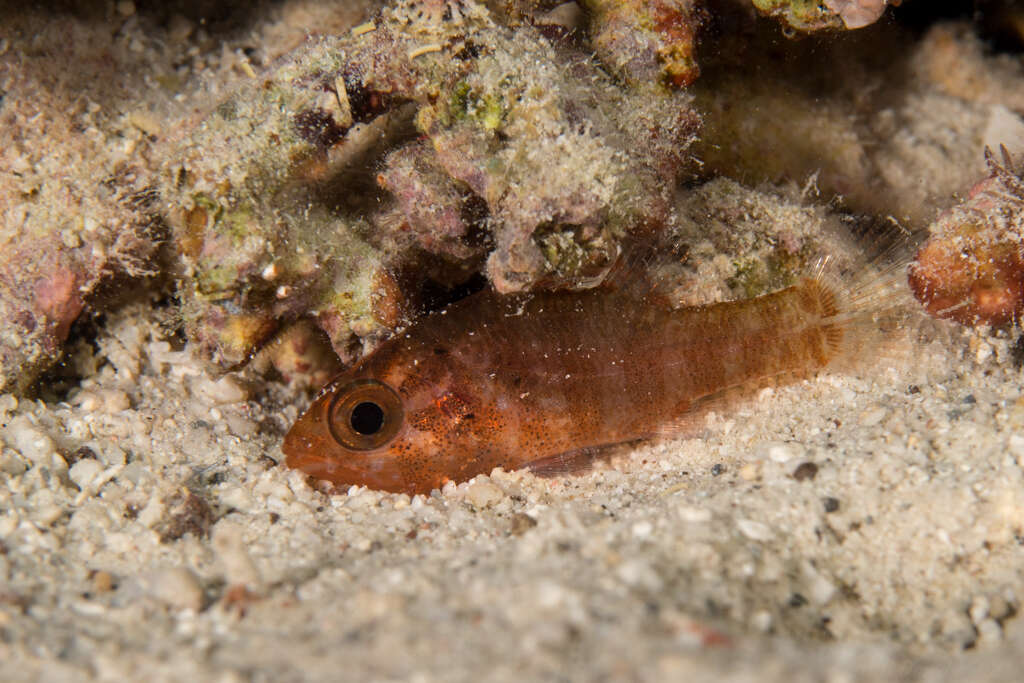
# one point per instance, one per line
(392, 429)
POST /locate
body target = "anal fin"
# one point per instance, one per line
(690, 419)
(576, 461)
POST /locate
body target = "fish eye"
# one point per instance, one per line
(365, 415)
(367, 418)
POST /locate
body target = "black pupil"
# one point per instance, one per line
(367, 418)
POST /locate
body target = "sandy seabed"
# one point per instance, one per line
(844, 528)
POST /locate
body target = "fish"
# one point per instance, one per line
(549, 381)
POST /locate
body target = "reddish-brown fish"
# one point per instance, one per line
(543, 380)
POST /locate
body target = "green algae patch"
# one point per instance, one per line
(802, 15)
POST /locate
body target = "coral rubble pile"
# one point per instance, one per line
(417, 142)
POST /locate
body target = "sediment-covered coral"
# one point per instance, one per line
(440, 138)
(732, 242)
(88, 97)
(441, 214)
(76, 202)
(525, 148)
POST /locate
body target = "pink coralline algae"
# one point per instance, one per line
(857, 13)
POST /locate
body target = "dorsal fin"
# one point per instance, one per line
(631, 275)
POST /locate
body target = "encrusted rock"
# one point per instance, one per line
(532, 156)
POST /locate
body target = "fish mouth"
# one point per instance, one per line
(306, 450)
(320, 467)
(329, 469)
(320, 460)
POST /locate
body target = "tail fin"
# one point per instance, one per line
(868, 314)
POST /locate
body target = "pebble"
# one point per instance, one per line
(819, 589)
(872, 416)
(483, 494)
(979, 609)
(225, 390)
(229, 542)
(112, 454)
(983, 352)
(236, 497)
(176, 587)
(989, 633)
(110, 401)
(755, 531)
(780, 452)
(46, 514)
(642, 529)
(750, 472)
(241, 426)
(8, 523)
(521, 523)
(639, 574)
(28, 439)
(761, 621)
(84, 471)
(8, 403)
(11, 464)
(805, 471)
(999, 607)
(694, 515)
(70, 239)
(102, 582)
(152, 513)
(957, 630)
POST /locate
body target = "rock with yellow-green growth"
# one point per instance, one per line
(802, 15)
(814, 15)
(647, 41)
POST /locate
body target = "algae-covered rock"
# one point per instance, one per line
(734, 242)
(341, 177)
(76, 202)
(90, 97)
(527, 154)
(647, 41)
(971, 269)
